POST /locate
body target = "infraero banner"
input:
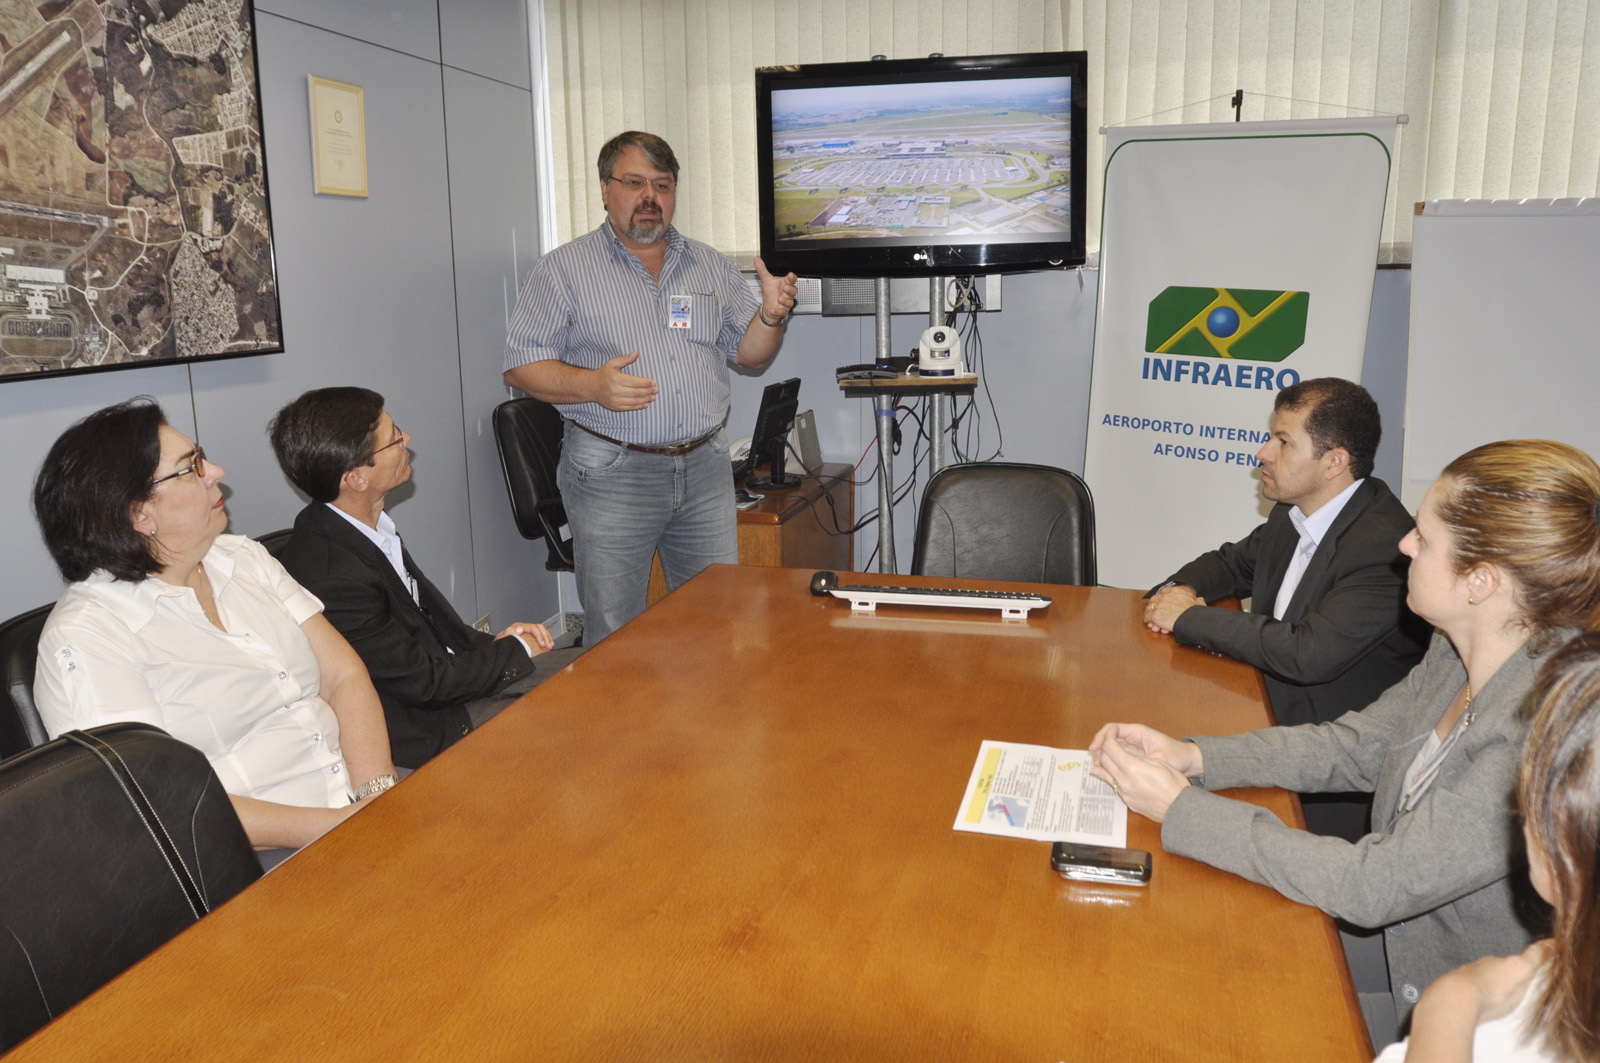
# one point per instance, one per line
(1236, 259)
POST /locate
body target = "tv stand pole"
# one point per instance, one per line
(943, 403)
(883, 414)
(884, 392)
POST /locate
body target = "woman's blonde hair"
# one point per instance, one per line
(1531, 508)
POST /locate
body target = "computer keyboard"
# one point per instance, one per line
(1012, 604)
(864, 372)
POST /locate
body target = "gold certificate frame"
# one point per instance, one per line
(338, 137)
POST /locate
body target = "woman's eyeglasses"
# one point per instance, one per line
(197, 466)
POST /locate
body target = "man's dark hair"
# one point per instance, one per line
(324, 434)
(657, 151)
(1342, 415)
(88, 485)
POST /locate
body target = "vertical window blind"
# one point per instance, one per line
(1502, 97)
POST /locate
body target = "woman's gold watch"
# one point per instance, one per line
(375, 785)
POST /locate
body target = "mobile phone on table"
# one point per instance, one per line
(1101, 863)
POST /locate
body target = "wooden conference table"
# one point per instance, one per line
(725, 834)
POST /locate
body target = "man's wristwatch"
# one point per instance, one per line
(375, 785)
(762, 314)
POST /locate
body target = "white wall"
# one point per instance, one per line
(1502, 347)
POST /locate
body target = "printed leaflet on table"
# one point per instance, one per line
(1046, 794)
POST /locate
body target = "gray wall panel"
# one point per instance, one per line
(486, 39)
(1384, 371)
(410, 26)
(494, 215)
(367, 292)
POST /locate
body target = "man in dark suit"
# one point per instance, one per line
(437, 677)
(1328, 624)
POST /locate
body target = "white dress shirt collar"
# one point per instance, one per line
(1317, 525)
(1312, 529)
(386, 538)
(137, 601)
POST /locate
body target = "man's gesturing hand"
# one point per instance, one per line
(778, 294)
(618, 390)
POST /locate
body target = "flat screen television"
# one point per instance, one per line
(923, 167)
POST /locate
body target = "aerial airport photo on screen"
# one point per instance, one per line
(968, 160)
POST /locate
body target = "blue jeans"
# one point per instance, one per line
(624, 506)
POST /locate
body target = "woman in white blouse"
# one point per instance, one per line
(171, 622)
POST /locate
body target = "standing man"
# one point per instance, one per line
(1328, 624)
(628, 331)
(437, 677)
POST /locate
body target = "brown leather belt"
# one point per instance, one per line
(673, 451)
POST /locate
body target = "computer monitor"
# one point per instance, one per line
(779, 403)
(923, 167)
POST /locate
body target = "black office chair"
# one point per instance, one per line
(1007, 521)
(20, 725)
(111, 841)
(528, 433)
(275, 541)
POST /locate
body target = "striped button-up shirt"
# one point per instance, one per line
(591, 300)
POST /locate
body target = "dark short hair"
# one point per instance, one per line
(1528, 507)
(656, 150)
(88, 485)
(324, 434)
(1342, 414)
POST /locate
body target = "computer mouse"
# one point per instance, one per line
(824, 582)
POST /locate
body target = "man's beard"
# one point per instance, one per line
(648, 233)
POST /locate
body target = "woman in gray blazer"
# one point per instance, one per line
(1505, 563)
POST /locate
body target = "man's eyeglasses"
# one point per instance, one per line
(664, 186)
(197, 466)
(399, 437)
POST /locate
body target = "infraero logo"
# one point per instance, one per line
(1249, 324)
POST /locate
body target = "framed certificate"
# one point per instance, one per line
(338, 138)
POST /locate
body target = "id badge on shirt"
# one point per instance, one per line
(680, 312)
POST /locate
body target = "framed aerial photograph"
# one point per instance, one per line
(134, 219)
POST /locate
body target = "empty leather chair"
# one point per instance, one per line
(111, 841)
(528, 432)
(1007, 521)
(20, 726)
